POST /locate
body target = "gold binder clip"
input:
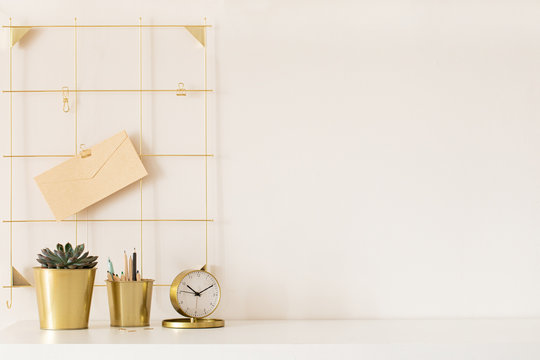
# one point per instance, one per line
(65, 99)
(85, 152)
(181, 91)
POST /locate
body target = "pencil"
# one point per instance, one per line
(125, 264)
(130, 269)
(111, 268)
(109, 276)
(138, 276)
(122, 277)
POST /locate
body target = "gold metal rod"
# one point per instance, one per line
(140, 138)
(40, 156)
(76, 87)
(103, 26)
(103, 90)
(153, 285)
(76, 124)
(177, 155)
(144, 155)
(10, 303)
(205, 158)
(102, 220)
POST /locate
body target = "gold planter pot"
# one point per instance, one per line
(130, 302)
(64, 297)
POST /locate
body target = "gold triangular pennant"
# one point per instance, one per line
(18, 279)
(198, 33)
(17, 34)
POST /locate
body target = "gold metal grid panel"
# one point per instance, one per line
(201, 29)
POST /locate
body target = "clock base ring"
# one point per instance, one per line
(191, 323)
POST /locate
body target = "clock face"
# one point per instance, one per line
(198, 294)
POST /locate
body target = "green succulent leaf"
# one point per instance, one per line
(41, 257)
(61, 255)
(69, 250)
(78, 251)
(50, 255)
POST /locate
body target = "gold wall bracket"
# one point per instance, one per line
(199, 33)
(17, 278)
(17, 34)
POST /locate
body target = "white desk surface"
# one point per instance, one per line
(441, 332)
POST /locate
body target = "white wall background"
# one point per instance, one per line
(374, 159)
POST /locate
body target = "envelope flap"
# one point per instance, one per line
(79, 168)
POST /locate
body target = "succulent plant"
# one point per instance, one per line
(66, 257)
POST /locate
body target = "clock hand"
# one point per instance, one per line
(189, 292)
(194, 292)
(200, 292)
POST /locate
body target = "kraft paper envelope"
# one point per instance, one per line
(81, 181)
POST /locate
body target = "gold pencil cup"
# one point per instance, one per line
(130, 302)
(64, 297)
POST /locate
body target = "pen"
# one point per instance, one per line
(134, 270)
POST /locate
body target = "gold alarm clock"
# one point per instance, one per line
(194, 294)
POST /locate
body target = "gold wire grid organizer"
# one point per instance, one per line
(16, 33)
